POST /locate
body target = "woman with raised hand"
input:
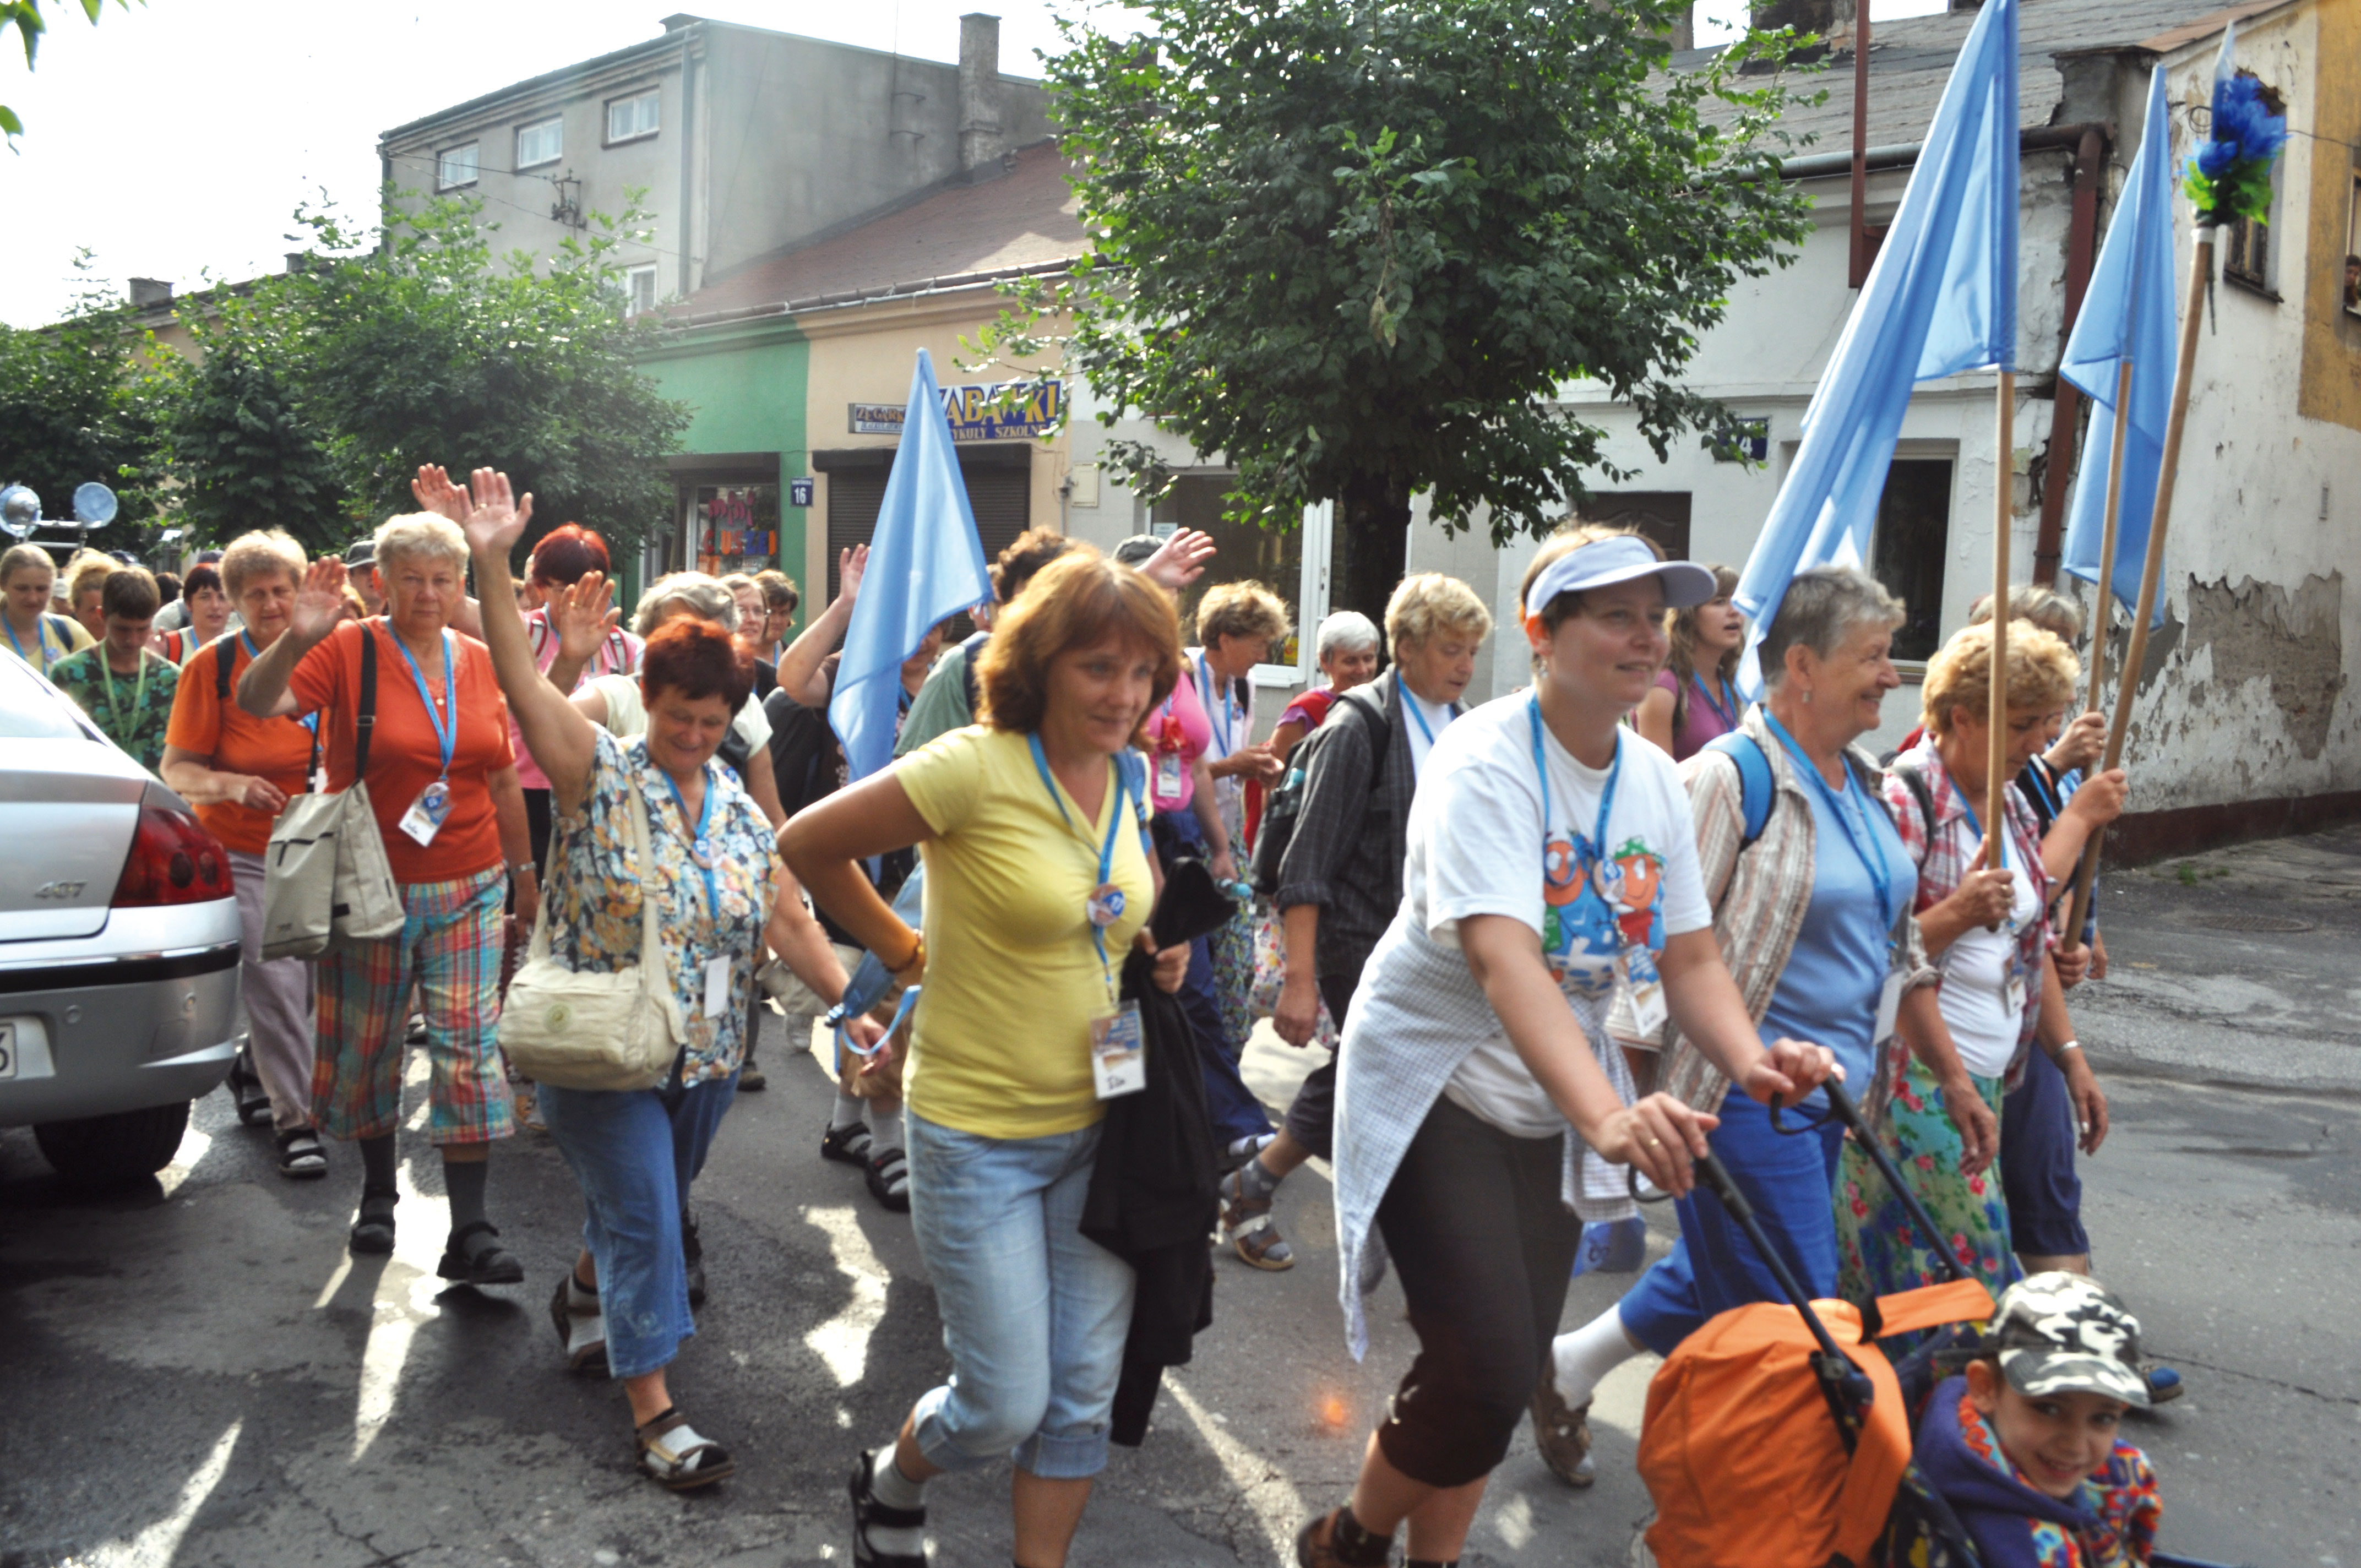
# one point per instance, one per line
(443, 782)
(714, 876)
(1038, 881)
(1483, 1113)
(1697, 691)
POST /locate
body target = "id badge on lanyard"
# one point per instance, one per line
(1118, 1053)
(1643, 989)
(1118, 1036)
(427, 813)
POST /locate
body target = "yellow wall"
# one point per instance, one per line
(866, 353)
(2331, 388)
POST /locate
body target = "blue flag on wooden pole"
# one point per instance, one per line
(2127, 313)
(926, 565)
(1941, 298)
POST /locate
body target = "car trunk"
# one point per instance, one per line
(69, 805)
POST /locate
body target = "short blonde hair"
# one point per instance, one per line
(19, 557)
(2042, 672)
(702, 596)
(1078, 600)
(1240, 609)
(257, 554)
(1428, 603)
(2046, 607)
(415, 533)
(90, 572)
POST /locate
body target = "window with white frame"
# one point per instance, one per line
(629, 119)
(541, 142)
(455, 167)
(640, 289)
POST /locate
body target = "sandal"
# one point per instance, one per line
(868, 1511)
(889, 1179)
(373, 1232)
(1315, 1546)
(692, 1257)
(1563, 1435)
(672, 1451)
(1247, 1223)
(247, 1092)
(300, 1154)
(849, 1144)
(582, 1330)
(752, 1079)
(489, 1264)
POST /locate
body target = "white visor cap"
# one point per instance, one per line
(1605, 561)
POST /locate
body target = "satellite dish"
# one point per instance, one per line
(20, 510)
(94, 504)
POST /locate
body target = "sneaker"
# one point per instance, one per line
(2164, 1384)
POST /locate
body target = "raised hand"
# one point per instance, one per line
(437, 494)
(320, 602)
(581, 613)
(852, 566)
(1181, 561)
(495, 519)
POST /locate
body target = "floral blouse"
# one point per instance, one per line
(594, 894)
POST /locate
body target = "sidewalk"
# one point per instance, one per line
(2235, 966)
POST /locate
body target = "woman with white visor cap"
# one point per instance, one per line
(1483, 1113)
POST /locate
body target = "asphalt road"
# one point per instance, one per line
(198, 1374)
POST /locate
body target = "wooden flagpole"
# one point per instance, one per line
(1996, 783)
(2102, 616)
(2127, 683)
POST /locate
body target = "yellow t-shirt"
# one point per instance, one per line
(1000, 1040)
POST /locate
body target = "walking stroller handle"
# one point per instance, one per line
(1841, 1107)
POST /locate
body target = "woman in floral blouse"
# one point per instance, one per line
(715, 877)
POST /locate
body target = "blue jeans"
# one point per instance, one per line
(2037, 1163)
(1035, 1313)
(1230, 1105)
(633, 1153)
(1713, 1268)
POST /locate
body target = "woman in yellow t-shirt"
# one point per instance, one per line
(1037, 881)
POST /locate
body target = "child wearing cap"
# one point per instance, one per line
(2023, 1446)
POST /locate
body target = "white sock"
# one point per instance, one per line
(1587, 1355)
(885, 1126)
(848, 1110)
(895, 1490)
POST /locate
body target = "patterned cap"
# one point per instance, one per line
(2066, 1333)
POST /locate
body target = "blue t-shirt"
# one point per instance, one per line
(1829, 990)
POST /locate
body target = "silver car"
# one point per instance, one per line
(118, 944)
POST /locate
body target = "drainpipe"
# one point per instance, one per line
(2066, 409)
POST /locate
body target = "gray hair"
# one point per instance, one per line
(702, 597)
(1347, 629)
(1821, 609)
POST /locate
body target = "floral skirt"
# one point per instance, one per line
(1880, 1248)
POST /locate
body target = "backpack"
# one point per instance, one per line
(803, 755)
(1758, 797)
(1285, 804)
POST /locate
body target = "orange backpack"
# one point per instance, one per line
(1742, 1449)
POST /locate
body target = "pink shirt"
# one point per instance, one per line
(1176, 726)
(619, 654)
(1701, 721)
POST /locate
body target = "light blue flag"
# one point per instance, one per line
(2127, 313)
(1941, 298)
(926, 565)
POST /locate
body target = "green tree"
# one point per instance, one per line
(324, 390)
(25, 15)
(1354, 247)
(77, 404)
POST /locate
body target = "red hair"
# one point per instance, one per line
(566, 552)
(697, 659)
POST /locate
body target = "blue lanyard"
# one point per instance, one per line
(1977, 822)
(1106, 850)
(2045, 788)
(310, 720)
(1410, 706)
(1205, 699)
(1729, 716)
(1873, 854)
(701, 847)
(40, 640)
(446, 732)
(1586, 850)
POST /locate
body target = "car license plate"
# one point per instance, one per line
(7, 1050)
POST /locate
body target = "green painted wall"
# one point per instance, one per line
(746, 385)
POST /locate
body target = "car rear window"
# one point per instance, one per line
(32, 711)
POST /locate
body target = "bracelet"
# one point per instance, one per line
(2069, 1045)
(518, 868)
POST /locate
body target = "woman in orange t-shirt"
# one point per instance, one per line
(237, 771)
(442, 781)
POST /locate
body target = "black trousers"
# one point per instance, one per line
(1311, 1114)
(538, 818)
(1485, 1248)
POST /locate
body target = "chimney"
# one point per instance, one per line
(979, 93)
(1684, 34)
(1822, 17)
(150, 291)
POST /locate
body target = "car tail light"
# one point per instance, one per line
(173, 860)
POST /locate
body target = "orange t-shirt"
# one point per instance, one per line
(404, 756)
(279, 750)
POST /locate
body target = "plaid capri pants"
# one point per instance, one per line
(450, 948)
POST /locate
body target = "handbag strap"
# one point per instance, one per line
(643, 848)
(364, 720)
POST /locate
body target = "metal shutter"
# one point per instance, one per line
(854, 496)
(1001, 498)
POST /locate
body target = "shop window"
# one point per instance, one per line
(1913, 528)
(734, 528)
(1244, 552)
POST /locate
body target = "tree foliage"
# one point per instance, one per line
(25, 17)
(77, 404)
(321, 392)
(1355, 248)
